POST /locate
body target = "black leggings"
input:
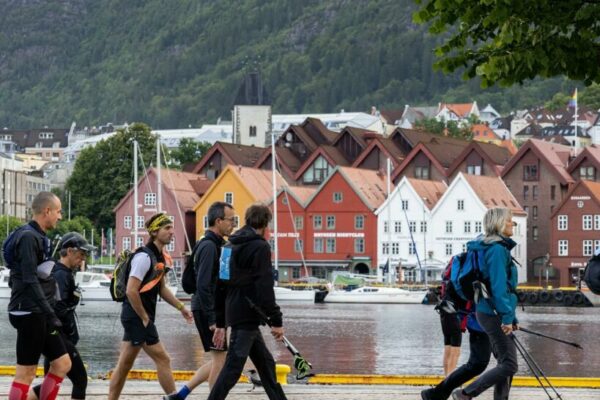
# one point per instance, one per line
(77, 375)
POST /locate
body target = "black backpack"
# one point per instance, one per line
(120, 275)
(188, 276)
(10, 244)
(591, 274)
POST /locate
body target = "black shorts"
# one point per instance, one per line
(451, 329)
(206, 335)
(137, 333)
(35, 338)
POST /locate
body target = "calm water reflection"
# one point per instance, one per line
(343, 338)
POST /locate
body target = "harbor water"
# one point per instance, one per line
(343, 338)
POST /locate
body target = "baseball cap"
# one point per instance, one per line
(74, 240)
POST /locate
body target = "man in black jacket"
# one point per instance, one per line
(29, 311)
(206, 266)
(73, 252)
(246, 274)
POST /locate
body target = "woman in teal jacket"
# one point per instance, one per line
(496, 314)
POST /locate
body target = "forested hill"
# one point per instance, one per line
(174, 63)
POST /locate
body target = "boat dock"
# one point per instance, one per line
(139, 389)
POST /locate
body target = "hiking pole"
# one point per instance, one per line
(57, 240)
(537, 371)
(550, 337)
(302, 366)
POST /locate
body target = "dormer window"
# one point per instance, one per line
(587, 173)
(422, 172)
(474, 169)
(530, 172)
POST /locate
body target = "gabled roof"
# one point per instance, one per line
(418, 149)
(483, 132)
(235, 154)
(257, 182)
(300, 193)
(495, 156)
(413, 114)
(386, 146)
(315, 127)
(30, 137)
(556, 157)
(391, 116)
(333, 156)
(429, 191)
(416, 136)
(592, 187)
(462, 110)
(492, 192)
(284, 156)
(360, 135)
(186, 187)
(369, 185)
(532, 129)
(592, 152)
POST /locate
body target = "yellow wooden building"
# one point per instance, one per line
(240, 187)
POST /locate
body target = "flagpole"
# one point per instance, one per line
(576, 139)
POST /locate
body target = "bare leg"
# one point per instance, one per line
(201, 375)
(119, 375)
(159, 355)
(218, 360)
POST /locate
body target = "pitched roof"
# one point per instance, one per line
(492, 192)
(592, 152)
(360, 135)
(315, 127)
(555, 155)
(496, 156)
(258, 181)
(418, 149)
(429, 191)
(301, 193)
(482, 132)
(532, 129)
(460, 109)
(30, 137)
(391, 116)
(368, 184)
(333, 156)
(564, 130)
(386, 146)
(591, 186)
(236, 154)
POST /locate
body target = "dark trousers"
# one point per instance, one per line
(246, 343)
(479, 357)
(505, 352)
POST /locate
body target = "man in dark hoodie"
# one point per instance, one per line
(246, 274)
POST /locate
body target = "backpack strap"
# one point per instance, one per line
(153, 276)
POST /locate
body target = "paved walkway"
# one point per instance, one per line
(137, 390)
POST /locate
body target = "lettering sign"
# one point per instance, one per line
(581, 198)
(287, 234)
(339, 234)
(577, 264)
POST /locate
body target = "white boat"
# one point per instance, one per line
(287, 294)
(373, 294)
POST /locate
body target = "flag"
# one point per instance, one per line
(573, 100)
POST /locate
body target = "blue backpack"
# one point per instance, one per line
(465, 276)
(10, 244)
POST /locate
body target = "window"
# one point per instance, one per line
(535, 212)
(534, 192)
(464, 247)
(534, 233)
(385, 248)
(423, 226)
(395, 248)
(404, 204)
(563, 247)
(252, 132)
(563, 222)
(149, 199)
(460, 205)
(588, 173)
(171, 245)
(127, 222)
(330, 245)
(412, 226)
(337, 197)
(295, 272)
(588, 249)
(317, 172)
(229, 198)
(298, 222)
(525, 192)
(140, 221)
(386, 227)
(298, 246)
(317, 222)
(596, 245)
(397, 226)
(597, 222)
(236, 221)
(587, 222)
(139, 242)
(478, 226)
(331, 222)
(449, 249)
(422, 172)
(412, 250)
(126, 243)
(467, 226)
(448, 226)
(359, 222)
(359, 245)
(318, 245)
(530, 172)
(474, 169)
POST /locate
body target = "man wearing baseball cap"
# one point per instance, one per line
(73, 250)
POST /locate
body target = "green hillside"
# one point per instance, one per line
(174, 63)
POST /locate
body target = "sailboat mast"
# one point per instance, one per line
(158, 177)
(135, 193)
(274, 171)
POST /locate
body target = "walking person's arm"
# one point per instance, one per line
(263, 281)
(497, 259)
(170, 298)
(204, 264)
